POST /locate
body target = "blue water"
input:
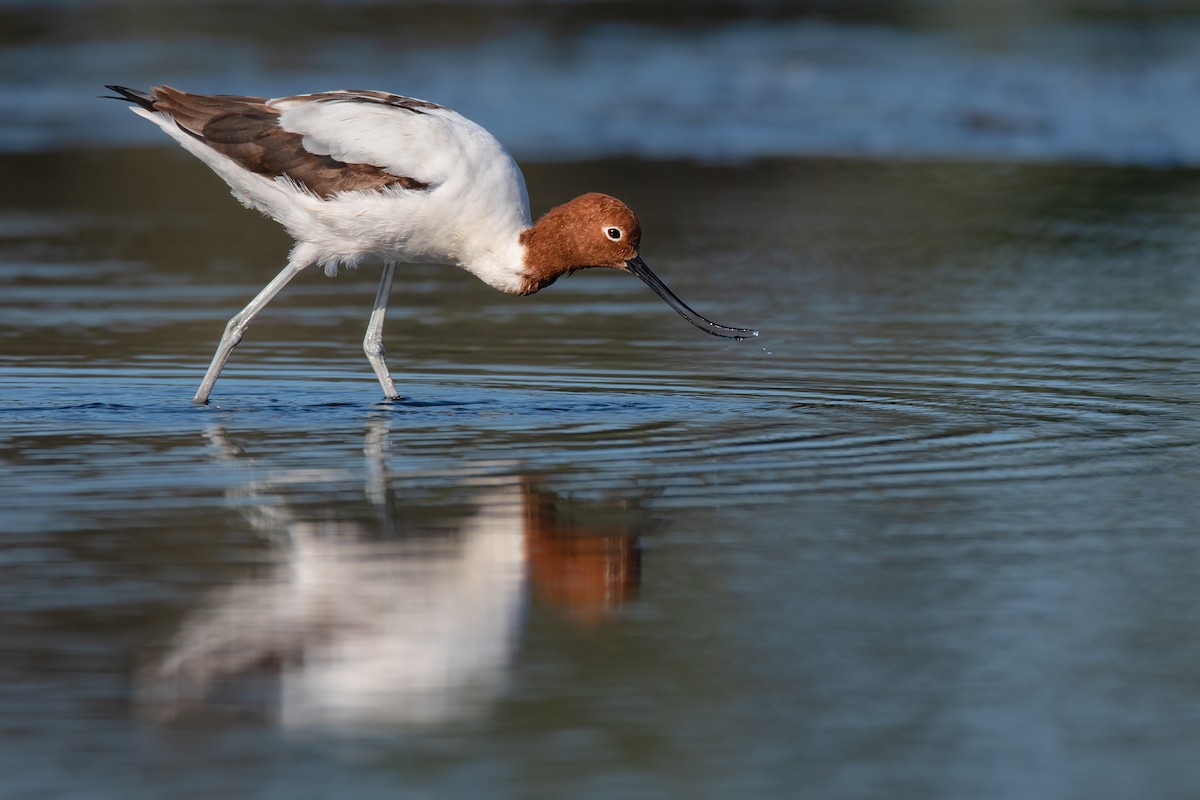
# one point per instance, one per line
(932, 535)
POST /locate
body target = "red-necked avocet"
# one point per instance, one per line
(362, 174)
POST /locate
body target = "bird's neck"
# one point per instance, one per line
(550, 249)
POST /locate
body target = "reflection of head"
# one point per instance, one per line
(589, 568)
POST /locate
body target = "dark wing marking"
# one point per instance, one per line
(246, 129)
(369, 96)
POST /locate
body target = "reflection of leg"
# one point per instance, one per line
(222, 445)
(375, 467)
(301, 257)
(373, 341)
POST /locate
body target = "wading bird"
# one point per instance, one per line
(362, 174)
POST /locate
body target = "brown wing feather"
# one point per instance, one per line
(247, 130)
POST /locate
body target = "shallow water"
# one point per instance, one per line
(932, 535)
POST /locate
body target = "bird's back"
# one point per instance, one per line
(357, 174)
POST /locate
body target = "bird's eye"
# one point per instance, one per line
(614, 234)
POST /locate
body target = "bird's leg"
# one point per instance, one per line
(373, 341)
(299, 259)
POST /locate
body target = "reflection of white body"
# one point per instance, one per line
(421, 636)
(358, 626)
(365, 633)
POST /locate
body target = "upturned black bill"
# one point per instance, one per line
(639, 268)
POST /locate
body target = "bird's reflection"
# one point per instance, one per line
(359, 624)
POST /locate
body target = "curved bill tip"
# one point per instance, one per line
(639, 268)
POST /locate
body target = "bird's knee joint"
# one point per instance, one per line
(373, 347)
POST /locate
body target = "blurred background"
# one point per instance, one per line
(1081, 80)
(932, 536)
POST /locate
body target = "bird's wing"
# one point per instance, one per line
(258, 135)
(401, 135)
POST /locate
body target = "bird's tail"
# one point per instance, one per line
(144, 99)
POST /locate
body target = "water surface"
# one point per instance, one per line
(933, 535)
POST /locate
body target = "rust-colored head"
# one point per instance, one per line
(593, 230)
